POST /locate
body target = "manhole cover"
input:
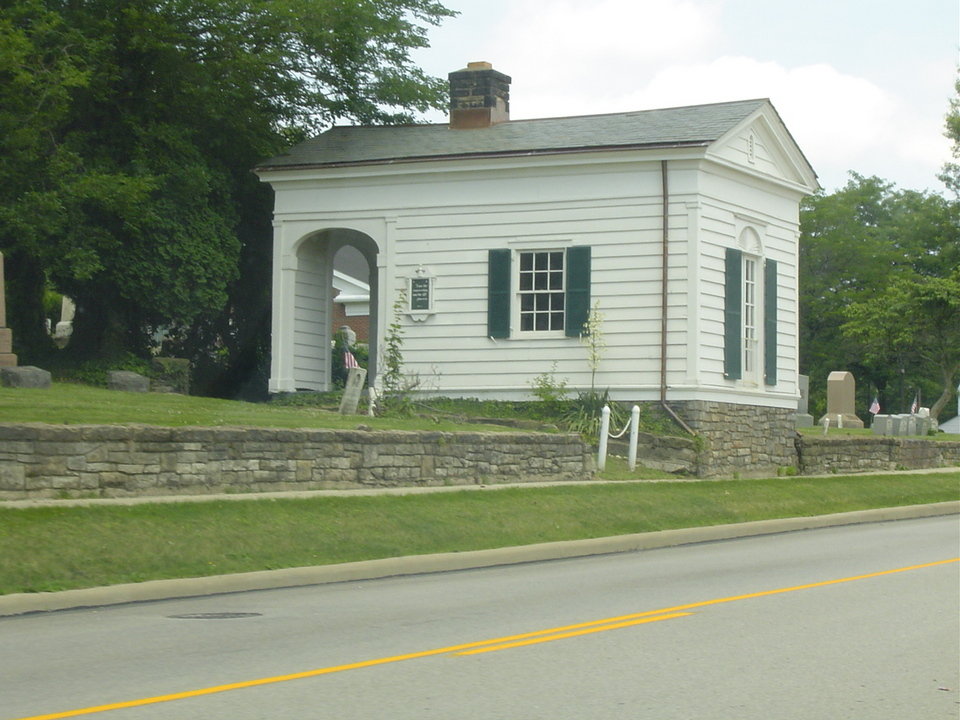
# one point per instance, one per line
(215, 616)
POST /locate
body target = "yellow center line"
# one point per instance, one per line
(497, 643)
(575, 633)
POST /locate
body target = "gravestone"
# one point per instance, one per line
(803, 417)
(352, 391)
(841, 401)
(25, 376)
(908, 425)
(893, 424)
(64, 328)
(7, 358)
(882, 425)
(127, 381)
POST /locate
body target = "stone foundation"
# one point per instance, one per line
(740, 440)
(49, 461)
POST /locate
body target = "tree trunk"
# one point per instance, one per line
(101, 329)
(25, 285)
(949, 383)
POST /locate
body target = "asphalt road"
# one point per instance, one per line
(851, 622)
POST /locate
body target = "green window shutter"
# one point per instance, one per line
(498, 294)
(732, 314)
(577, 299)
(770, 322)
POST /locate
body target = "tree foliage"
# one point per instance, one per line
(128, 129)
(880, 292)
(950, 176)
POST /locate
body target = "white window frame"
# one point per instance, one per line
(523, 289)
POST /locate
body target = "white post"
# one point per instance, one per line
(840, 422)
(604, 431)
(634, 429)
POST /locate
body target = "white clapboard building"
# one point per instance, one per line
(679, 225)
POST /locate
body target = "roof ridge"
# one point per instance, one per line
(568, 117)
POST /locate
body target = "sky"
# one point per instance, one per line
(862, 85)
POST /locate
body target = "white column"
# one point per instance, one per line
(694, 306)
(283, 297)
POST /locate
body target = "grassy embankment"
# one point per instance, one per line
(54, 548)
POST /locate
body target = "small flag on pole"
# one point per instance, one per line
(875, 405)
(349, 361)
(916, 404)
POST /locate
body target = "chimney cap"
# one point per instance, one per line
(479, 65)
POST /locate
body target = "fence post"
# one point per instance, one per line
(634, 429)
(604, 431)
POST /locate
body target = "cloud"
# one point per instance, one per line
(842, 122)
(559, 50)
(577, 57)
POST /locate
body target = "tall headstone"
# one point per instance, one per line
(842, 401)
(7, 358)
(352, 390)
(803, 418)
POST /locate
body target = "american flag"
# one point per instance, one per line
(349, 361)
(916, 404)
(875, 405)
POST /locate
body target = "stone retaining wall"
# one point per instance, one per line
(43, 461)
(822, 455)
(662, 452)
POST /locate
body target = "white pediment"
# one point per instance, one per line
(762, 145)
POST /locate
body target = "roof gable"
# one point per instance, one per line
(762, 145)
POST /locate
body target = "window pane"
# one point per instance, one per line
(556, 321)
(540, 283)
(541, 322)
(526, 261)
(526, 303)
(556, 301)
(556, 261)
(526, 322)
(541, 261)
(556, 281)
(526, 281)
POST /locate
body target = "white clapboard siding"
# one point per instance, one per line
(311, 341)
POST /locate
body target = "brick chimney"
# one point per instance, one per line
(479, 97)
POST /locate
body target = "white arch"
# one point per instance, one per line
(303, 303)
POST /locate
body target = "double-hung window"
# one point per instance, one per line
(541, 291)
(750, 318)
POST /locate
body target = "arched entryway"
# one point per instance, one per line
(303, 309)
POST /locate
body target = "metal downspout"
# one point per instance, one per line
(665, 223)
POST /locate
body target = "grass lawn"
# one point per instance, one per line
(56, 548)
(72, 404)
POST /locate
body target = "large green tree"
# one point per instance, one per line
(128, 129)
(878, 288)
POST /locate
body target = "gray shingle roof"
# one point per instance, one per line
(692, 125)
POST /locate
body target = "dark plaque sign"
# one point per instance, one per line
(420, 293)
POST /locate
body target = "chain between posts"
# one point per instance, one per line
(633, 424)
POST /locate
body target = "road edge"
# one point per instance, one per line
(151, 590)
